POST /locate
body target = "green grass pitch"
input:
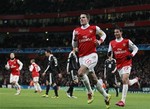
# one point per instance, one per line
(30, 100)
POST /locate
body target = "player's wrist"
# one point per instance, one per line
(101, 40)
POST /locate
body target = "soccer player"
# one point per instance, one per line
(72, 69)
(51, 71)
(84, 38)
(121, 48)
(15, 65)
(109, 74)
(34, 68)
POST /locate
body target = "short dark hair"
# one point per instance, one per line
(118, 28)
(48, 50)
(33, 60)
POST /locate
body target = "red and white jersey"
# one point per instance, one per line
(15, 66)
(85, 39)
(34, 68)
(121, 49)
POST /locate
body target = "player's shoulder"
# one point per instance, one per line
(93, 26)
(112, 41)
(77, 28)
(106, 60)
(113, 59)
(126, 39)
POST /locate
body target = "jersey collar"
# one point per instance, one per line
(85, 26)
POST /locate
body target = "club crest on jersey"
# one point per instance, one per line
(119, 49)
(91, 31)
(124, 44)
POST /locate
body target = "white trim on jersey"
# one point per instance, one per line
(74, 42)
(20, 64)
(100, 33)
(50, 78)
(133, 47)
(109, 48)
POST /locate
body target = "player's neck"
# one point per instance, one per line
(110, 58)
(119, 39)
(12, 59)
(85, 26)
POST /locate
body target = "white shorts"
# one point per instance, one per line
(89, 61)
(35, 79)
(124, 70)
(14, 78)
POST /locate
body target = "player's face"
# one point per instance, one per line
(83, 19)
(31, 61)
(117, 33)
(12, 55)
(46, 54)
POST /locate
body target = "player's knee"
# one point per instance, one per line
(82, 71)
(124, 81)
(35, 82)
(13, 83)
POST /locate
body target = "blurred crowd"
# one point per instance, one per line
(40, 40)
(63, 21)
(140, 68)
(51, 6)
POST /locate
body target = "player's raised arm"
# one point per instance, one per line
(101, 34)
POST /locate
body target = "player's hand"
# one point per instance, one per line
(113, 72)
(43, 74)
(129, 57)
(13, 66)
(98, 42)
(17, 69)
(6, 66)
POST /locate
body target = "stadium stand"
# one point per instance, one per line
(27, 27)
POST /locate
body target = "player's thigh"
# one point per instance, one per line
(14, 78)
(124, 70)
(89, 61)
(35, 79)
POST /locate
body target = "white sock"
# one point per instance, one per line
(131, 82)
(101, 89)
(39, 87)
(86, 83)
(124, 92)
(17, 86)
(35, 86)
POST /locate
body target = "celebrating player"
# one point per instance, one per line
(84, 38)
(121, 49)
